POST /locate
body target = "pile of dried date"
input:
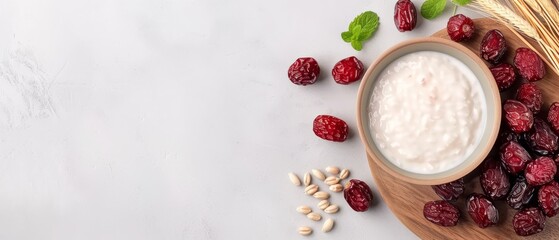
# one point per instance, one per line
(357, 194)
(522, 168)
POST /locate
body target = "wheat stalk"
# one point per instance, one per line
(546, 31)
(552, 13)
(556, 4)
(550, 8)
(533, 4)
(504, 14)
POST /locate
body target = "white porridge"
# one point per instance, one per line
(427, 112)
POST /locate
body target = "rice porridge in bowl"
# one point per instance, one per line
(428, 111)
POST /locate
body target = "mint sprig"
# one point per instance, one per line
(360, 29)
(432, 8)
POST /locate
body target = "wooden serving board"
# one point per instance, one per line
(407, 200)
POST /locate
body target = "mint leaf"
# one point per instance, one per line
(432, 8)
(363, 35)
(368, 21)
(346, 36)
(369, 28)
(357, 45)
(361, 28)
(355, 31)
(461, 2)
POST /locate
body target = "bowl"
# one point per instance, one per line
(490, 122)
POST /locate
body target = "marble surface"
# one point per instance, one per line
(174, 119)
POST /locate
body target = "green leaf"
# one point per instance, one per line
(361, 28)
(359, 20)
(461, 2)
(346, 36)
(368, 20)
(368, 30)
(355, 32)
(363, 35)
(432, 8)
(357, 45)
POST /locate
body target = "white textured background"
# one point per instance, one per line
(175, 119)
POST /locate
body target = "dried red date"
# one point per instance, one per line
(358, 195)
(450, 191)
(482, 210)
(529, 64)
(540, 171)
(405, 15)
(520, 194)
(553, 116)
(494, 180)
(460, 28)
(531, 96)
(528, 221)
(514, 157)
(541, 139)
(304, 71)
(548, 198)
(330, 128)
(517, 115)
(493, 46)
(441, 212)
(504, 75)
(347, 70)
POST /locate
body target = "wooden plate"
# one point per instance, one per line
(406, 200)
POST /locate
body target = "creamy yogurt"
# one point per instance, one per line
(426, 112)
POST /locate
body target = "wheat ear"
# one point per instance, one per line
(504, 14)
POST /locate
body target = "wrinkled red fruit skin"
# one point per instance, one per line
(494, 180)
(482, 210)
(517, 115)
(442, 213)
(529, 64)
(548, 198)
(405, 15)
(450, 191)
(553, 116)
(358, 195)
(347, 70)
(520, 194)
(531, 95)
(460, 28)
(528, 221)
(541, 139)
(304, 71)
(514, 157)
(493, 46)
(504, 75)
(540, 171)
(330, 128)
